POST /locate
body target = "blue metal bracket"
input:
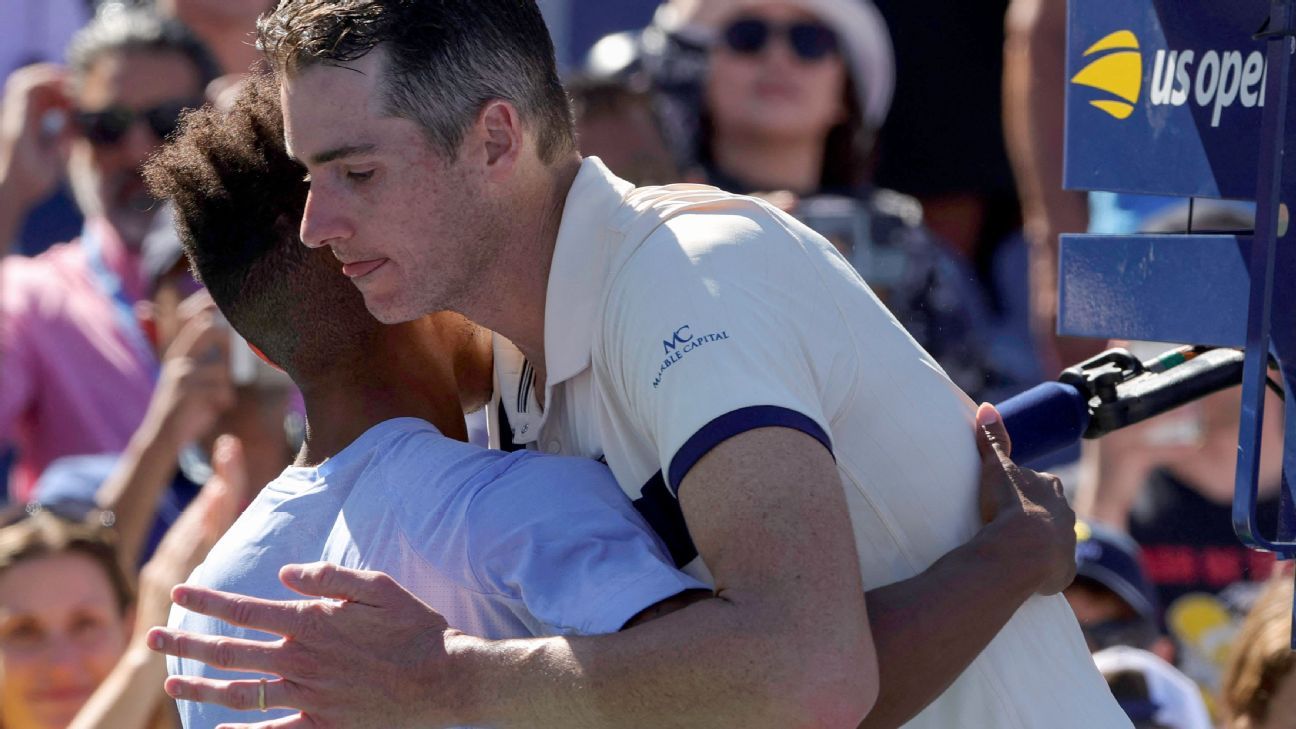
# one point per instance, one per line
(1270, 327)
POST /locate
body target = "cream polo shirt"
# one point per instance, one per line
(677, 317)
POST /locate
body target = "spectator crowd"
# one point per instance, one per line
(923, 140)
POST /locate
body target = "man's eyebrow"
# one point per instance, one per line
(339, 152)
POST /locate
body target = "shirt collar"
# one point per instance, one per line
(576, 275)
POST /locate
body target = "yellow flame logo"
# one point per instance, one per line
(1117, 70)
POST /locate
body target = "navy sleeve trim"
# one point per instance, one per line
(734, 423)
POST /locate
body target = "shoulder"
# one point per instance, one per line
(700, 234)
(416, 462)
(548, 482)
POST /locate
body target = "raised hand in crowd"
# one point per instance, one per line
(193, 391)
(129, 697)
(35, 132)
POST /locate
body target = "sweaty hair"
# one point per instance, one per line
(445, 60)
(119, 30)
(239, 200)
(44, 534)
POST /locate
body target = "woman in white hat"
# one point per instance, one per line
(791, 98)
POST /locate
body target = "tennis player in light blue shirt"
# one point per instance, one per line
(501, 544)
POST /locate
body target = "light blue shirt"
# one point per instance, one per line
(501, 544)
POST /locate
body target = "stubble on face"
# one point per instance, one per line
(420, 213)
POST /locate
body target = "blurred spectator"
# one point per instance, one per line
(196, 400)
(949, 68)
(38, 31)
(77, 369)
(1259, 687)
(1111, 596)
(72, 649)
(619, 124)
(1152, 692)
(670, 57)
(1034, 87)
(1170, 482)
(793, 94)
(226, 27)
(1117, 609)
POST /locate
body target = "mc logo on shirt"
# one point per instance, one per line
(680, 336)
(681, 342)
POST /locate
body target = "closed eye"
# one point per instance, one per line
(359, 176)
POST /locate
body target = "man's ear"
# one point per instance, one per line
(502, 137)
(147, 318)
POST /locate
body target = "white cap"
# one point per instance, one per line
(1173, 700)
(865, 40)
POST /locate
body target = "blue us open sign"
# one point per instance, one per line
(1163, 98)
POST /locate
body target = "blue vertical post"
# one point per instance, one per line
(1270, 329)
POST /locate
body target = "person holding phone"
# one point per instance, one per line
(77, 369)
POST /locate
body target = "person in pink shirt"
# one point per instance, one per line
(76, 366)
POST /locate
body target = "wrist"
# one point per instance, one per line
(461, 681)
(1018, 546)
(158, 435)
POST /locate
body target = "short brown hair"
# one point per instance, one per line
(445, 59)
(44, 534)
(1261, 655)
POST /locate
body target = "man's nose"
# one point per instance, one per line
(321, 224)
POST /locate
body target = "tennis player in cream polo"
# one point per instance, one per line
(745, 387)
(680, 316)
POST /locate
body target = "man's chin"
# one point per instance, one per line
(389, 311)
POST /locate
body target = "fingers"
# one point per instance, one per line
(242, 694)
(233, 654)
(325, 579)
(286, 618)
(992, 434)
(203, 339)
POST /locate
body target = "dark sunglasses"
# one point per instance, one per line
(809, 41)
(110, 125)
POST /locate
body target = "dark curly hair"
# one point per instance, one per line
(239, 200)
(445, 60)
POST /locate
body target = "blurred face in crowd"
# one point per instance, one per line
(630, 144)
(1281, 712)
(61, 632)
(141, 92)
(408, 224)
(776, 74)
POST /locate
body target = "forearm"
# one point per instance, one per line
(129, 697)
(929, 628)
(716, 662)
(135, 484)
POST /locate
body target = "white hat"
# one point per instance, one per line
(1171, 699)
(864, 38)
